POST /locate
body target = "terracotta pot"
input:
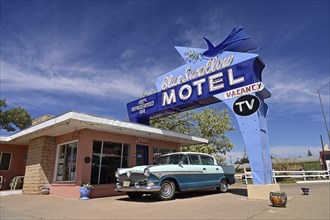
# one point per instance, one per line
(278, 199)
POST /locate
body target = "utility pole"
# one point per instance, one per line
(325, 119)
(323, 155)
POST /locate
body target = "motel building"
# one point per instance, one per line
(59, 153)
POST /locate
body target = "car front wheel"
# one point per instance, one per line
(167, 190)
(223, 186)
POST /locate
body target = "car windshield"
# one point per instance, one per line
(173, 159)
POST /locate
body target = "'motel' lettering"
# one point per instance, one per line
(215, 83)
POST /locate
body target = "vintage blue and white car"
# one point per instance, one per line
(175, 172)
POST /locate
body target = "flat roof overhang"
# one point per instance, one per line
(74, 121)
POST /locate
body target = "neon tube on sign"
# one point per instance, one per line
(215, 82)
(212, 65)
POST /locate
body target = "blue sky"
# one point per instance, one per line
(95, 56)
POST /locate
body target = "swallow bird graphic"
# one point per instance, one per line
(236, 41)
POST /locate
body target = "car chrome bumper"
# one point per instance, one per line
(120, 188)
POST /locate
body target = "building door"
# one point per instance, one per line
(142, 155)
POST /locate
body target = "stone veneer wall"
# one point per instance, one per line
(38, 165)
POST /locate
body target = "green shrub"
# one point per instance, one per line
(314, 165)
(286, 180)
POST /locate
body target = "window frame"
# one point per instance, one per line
(57, 161)
(101, 157)
(10, 159)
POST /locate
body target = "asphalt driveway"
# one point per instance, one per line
(193, 205)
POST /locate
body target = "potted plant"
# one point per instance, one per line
(305, 190)
(278, 199)
(85, 190)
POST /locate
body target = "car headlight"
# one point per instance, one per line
(146, 172)
(117, 174)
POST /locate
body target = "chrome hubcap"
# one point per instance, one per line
(223, 185)
(166, 189)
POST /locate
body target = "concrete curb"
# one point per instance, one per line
(10, 192)
(314, 181)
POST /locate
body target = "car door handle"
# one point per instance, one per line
(204, 168)
(217, 169)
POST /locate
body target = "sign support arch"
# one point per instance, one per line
(255, 135)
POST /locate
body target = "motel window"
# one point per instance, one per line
(158, 151)
(107, 157)
(5, 160)
(66, 162)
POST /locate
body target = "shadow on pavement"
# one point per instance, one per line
(238, 191)
(144, 199)
(180, 195)
(186, 195)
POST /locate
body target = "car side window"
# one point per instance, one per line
(183, 159)
(194, 160)
(163, 160)
(174, 159)
(178, 159)
(206, 160)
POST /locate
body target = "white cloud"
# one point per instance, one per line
(293, 89)
(128, 53)
(193, 34)
(113, 84)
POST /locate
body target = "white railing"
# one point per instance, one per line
(302, 174)
(16, 183)
(318, 174)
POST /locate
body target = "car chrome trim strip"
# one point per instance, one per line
(137, 189)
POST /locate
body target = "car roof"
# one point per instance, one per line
(197, 153)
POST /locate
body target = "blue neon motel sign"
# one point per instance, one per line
(222, 73)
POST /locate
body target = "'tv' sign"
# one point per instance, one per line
(246, 105)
